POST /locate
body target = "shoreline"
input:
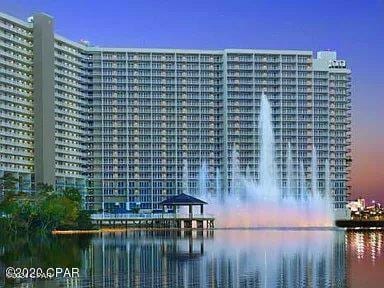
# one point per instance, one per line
(108, 230)
(360, 223)
(112, 230)
(92, 231)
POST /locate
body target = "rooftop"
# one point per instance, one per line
(183, 199)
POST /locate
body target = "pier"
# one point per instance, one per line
(166, 219)
(154, 220)
(360, 223)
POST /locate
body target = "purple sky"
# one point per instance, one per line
(355, 29)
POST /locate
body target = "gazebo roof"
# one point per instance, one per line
(182, 199)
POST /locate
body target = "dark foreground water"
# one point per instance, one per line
(221, 258)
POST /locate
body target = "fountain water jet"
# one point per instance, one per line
(219, 195)
(267, 169)
(203, 175)
(314, 171)
(248, 175)
(302, 182)
(289, 172)
(235, 170)
(327, 180)
(185, 177)
(262, 203)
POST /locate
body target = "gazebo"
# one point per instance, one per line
(184, 200)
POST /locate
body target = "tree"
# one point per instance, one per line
(84, 220)
(45, 189)
(58, 212)
(44, 211)
(72, 194)
(8, 183)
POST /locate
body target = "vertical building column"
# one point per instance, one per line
(127, 142)
(254, 120)
(176, 191)
(102, 132)
(153, 198)
(225, 125)
(297, 146)
(44, 101)
(2, 192)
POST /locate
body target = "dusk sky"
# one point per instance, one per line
(355, 29)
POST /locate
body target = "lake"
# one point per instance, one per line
(216, 258)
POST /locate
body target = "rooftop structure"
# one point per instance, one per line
(182, 200)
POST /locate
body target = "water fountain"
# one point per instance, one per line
(218, 184)
(235, 171)
(185, 177)
(327, 180)
(314, 172)
(289, 172)
(263, 203)
(203, 181)
(302, 181)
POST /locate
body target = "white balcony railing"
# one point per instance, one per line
(138, 216)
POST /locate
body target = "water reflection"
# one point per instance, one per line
(365, 244)
(40, 251)
(221, 258)
(365, 258)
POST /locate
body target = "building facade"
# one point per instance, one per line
(120, 123)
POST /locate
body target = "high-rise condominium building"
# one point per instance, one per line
(121, 123)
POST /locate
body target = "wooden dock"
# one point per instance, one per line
(154, 220)
(360, 223)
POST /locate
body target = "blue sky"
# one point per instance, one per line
(355, 29)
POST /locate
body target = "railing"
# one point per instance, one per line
(143, 216)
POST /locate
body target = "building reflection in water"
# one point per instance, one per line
(365, 258)
(363, 244)
(221, 258)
